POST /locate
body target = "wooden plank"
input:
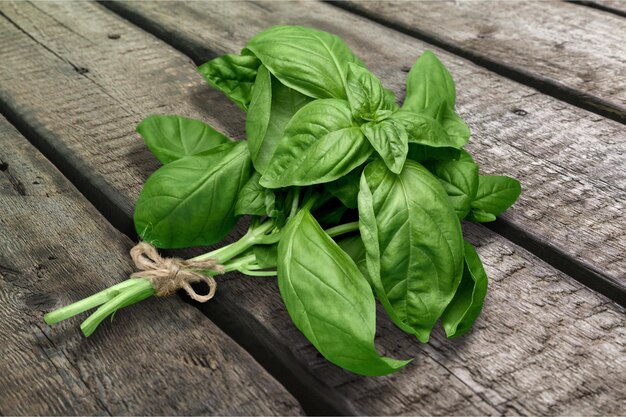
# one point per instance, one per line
(559, 48)
(571, 163)
(511, 363)
(163, 357)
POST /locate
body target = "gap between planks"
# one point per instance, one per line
(582, 271)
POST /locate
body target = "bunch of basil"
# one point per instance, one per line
(350, 194)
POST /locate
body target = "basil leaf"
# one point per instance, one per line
(251, 198)
(328, 299)
(173, 137)
(467, 303)
(366, 94)
(495, 194)
(346, 188)
(480, 216)
(460, 180)
(310, 61)
(420, 153)
(428, 83)
(271, 107)
(413, 242)
(320, 144)
(233, 75)
(390, 140)
(458, 132)
(266, 255)
(191, 201)
(424, 130)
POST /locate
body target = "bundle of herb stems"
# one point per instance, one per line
(352, 197)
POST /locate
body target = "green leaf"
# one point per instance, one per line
(346, 188)
(366, 94)
(328, 299)
(251, 198)
(496, 194)
(480, 216)
(458, 132)
(424, 130)
(390, 140)
(428, 83)
(413, 242)
(310, 61)
(467, 303)
(420, 153)
(266, 255)
(460, 180)
(191, 201)
(233, 75)
(320, 144)
(272, 106)
(173, 137)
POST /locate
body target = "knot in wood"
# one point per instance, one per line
(168, 275)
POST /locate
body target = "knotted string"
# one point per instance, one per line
(168, 275)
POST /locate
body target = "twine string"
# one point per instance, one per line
(168, 275)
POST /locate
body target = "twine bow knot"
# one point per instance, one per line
(168, 275)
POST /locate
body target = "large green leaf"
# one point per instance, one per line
(495, 194)
(468, 300)
(173, 137)
(191, 201)
(272, 106)
(390, 140)
(310, 61)
(428, 83)
(414, 244)
(321, 143)
(328, 299)
(233, 75)
(460, 180)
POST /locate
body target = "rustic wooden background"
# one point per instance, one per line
(541, 84)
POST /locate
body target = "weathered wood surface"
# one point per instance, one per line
(573, 53)
(163, 357)
(545, 343)
(572, 163)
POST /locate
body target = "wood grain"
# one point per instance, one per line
(544, 345)
(163, 357)
(572, 163)
(575, 54)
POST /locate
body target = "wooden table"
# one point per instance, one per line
(543, 87)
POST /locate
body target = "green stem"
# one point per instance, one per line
(138, 292)
(88, 303)
(342, 228)
(252, 237)
(259, 273)
(239, 263)
(294, 203)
